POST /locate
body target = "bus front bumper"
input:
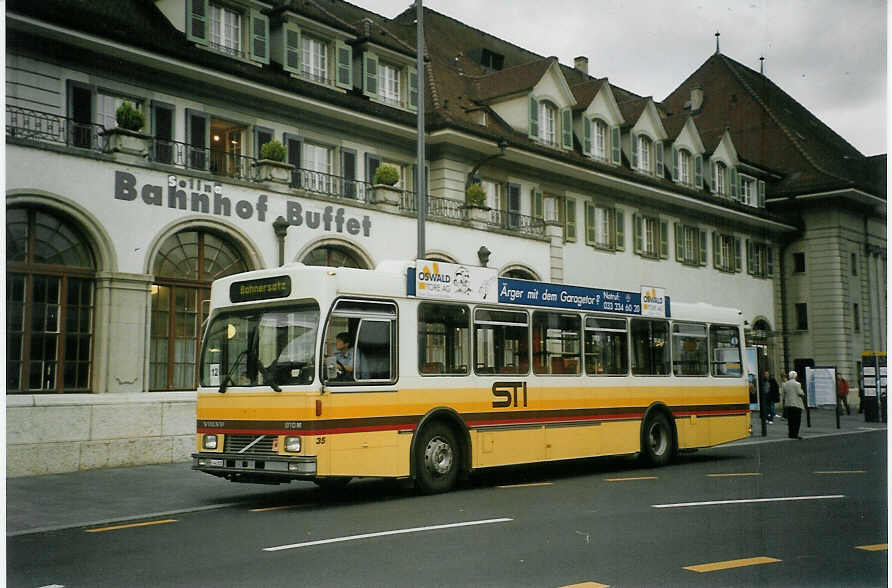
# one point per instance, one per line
(240, 467)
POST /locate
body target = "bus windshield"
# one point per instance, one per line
(261, 347)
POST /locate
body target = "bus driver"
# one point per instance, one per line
(344, 356)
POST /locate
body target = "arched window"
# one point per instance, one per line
(184, 268)
(333, 256)
(49, 303)
(519, 273)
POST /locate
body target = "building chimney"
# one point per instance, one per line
(696, 98)
(581, 64)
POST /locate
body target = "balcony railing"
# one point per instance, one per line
(515, 221)
(24, 123)
(331, 185)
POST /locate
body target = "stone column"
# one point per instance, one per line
(120, 358)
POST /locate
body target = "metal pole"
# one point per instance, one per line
(420, 184)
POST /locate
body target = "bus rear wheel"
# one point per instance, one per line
(657, 440)
(436, 459)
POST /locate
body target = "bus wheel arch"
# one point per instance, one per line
(437, 420)
(659, 435)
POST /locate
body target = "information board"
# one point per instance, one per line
(548, 295)
(820, 386)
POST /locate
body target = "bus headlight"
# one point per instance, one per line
(292, 444)
(209, 442)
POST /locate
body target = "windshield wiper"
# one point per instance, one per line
(228, 377)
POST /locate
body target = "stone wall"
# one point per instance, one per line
(49, 434)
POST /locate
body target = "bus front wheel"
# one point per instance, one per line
(657, 440)
(436, 459)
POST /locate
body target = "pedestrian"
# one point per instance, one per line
(842, 394)
(793, 400)
(772, 394)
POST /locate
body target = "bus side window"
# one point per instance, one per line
(443, 339)
(690, 356)
(606, 351)
(650, 347)
(359, 346)
(725, 347)
(501, 342)
(556, 343)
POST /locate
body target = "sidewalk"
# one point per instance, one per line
(63, 501)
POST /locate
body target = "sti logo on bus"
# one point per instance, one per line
(510, 393)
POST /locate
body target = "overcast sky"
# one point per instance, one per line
(830, 55)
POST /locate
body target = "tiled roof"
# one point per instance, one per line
(586, 92)
(771, 128)
(510, 81)
(632, 109)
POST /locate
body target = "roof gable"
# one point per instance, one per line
(602, 104)
(553, 86)
(689, 137)
(648, 121)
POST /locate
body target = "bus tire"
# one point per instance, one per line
(437, 459)
(657, 440)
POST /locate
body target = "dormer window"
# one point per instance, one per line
(720, 178)
(314, 59)
(491, 61)
(600, 145)
(643, 148)
(389, 78)
(547, 123)
(225, 30)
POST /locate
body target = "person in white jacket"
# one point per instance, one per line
(794, 403)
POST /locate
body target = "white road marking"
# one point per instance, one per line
(749, 500)
(54, 586)
(385, 533)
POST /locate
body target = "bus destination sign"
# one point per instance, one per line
(512, 291)
(262, 289)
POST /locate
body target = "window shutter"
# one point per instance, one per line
(733, 182)
(679, 242)
(658, 156)
(589, 223)
(259, 37)
(664, 239)
(291, 49)
(370, 74)
(638, 226)
(372, 162)
(615, 147)
(716, 251)
(533, 130)
(619, 219)
(698, 171)
(749, 258)
(197, 21)
(702, 235)
(586, 135)
(675, 164)
(761, 194)
(566, 128)
(769, 262)
(413, 88)
(715, 170)
(344, 59)
(570, 220)
(538, 204)
(738, 256)
(633, 149)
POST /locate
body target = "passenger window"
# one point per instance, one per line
(725, 345)
(501, 342)
(556, 347)
(444, 347)
(359, 343)
(689, 350)
(650, 347)
(606, 348)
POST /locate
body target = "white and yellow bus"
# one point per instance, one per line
(443, 369)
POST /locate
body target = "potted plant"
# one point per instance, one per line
(475, 203)
(126, 137)
(383, 182)
(271, 166)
